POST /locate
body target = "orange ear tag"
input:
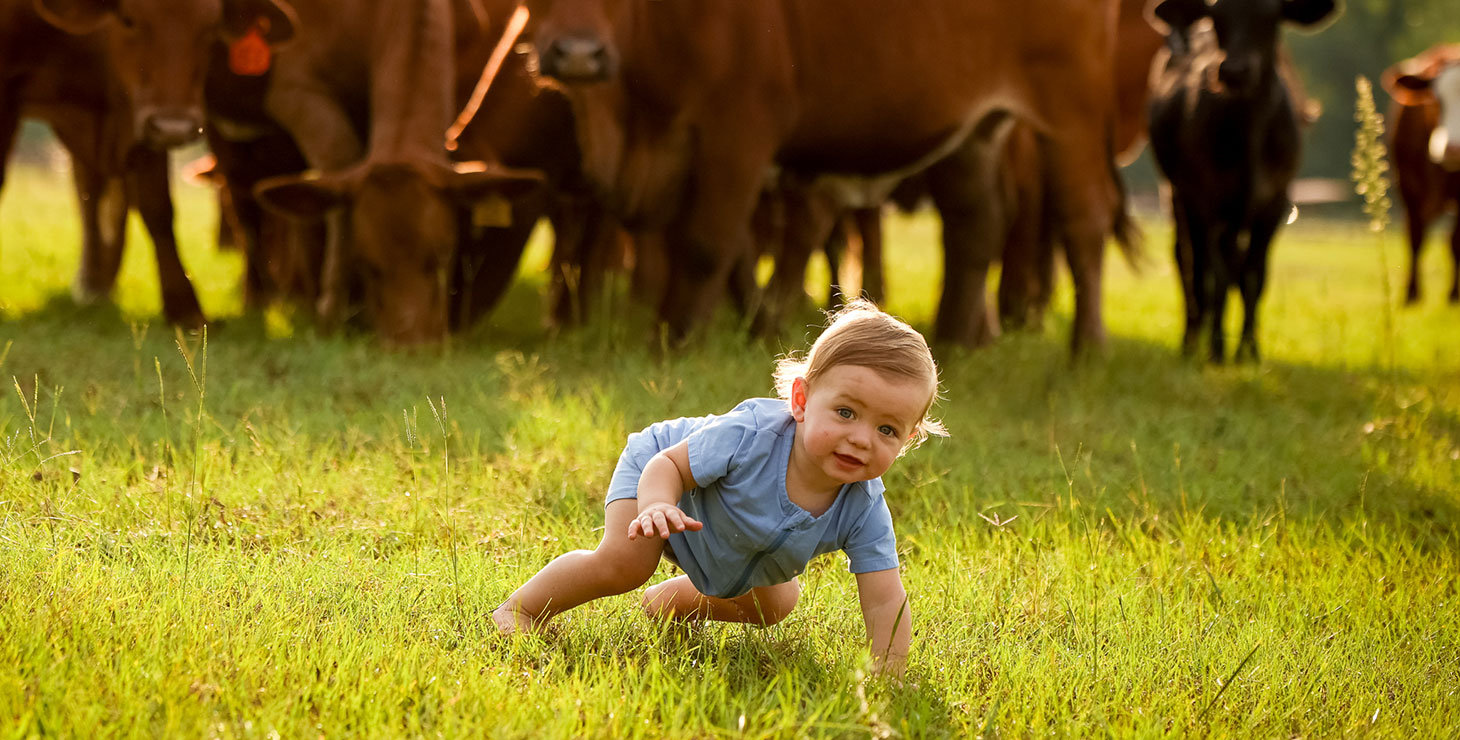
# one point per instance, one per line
(250, 54)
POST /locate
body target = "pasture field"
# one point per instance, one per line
(271, 533)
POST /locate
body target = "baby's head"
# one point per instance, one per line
(861, 334)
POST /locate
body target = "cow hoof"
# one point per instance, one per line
(86, 295)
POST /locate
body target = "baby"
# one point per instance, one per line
(741, 502)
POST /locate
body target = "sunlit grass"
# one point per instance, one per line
(308, 542)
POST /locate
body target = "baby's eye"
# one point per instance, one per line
(844, 412)
(887, 431)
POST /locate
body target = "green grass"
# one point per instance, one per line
(280, 534)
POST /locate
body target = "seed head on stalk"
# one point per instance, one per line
(1369, 162)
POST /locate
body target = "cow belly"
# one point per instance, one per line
(874, 152)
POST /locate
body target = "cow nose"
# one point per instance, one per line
(576, 58)
(167, 131)
(1233, 73)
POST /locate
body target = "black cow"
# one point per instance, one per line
(1225, 134)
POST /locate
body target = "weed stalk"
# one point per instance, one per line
(444, 495)
(198, 372)
(1372, 184)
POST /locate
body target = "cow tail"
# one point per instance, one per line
(1124, 228)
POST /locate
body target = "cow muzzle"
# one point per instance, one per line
(161, 129)
(578, 59)
(1238, 73)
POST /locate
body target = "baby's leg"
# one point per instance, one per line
(677, 598)
(618, 565)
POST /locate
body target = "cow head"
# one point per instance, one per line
(403, 221)
(1433, 79)
(159, 49)
(1246, 32)
(574, 38)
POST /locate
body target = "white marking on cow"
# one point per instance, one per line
(1445, 140)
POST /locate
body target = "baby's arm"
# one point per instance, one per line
(888, 615)
(663, 482)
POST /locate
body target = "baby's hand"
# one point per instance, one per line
(661, 519)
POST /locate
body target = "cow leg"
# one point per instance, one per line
(809, 218)
(101, 195)
(1455, 261)
(147, 182)
(1021, 192)
(649, 280)
(486, 260)
(712, 234)
(327, 139)
(838, 252)
(1416, 223)
(1253, 277)
(1085, 199)
(1193, 276)
(9, 124)
(1226, 263)
(869, 226)
(585, 246)
(259, 288)
(104, 206)
(972, 226)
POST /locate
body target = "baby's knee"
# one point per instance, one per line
(772, 605)
(658, 601)
(622, 574)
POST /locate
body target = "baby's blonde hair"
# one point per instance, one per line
(864, 335)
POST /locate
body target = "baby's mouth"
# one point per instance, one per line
(848, 461)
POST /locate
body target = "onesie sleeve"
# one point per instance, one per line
(716, 448)
(870, 543)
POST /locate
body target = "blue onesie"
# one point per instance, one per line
(753, 535)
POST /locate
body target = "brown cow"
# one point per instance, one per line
(523, 123)
(1418, 140)
(118, 86)
(1027, 276)
(708, 96)
(367, 96)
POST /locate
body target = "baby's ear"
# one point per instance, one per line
(798, 400)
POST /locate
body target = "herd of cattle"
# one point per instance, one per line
(384, 161)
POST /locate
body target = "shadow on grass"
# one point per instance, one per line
(1137, 432)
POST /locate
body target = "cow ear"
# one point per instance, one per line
(275, 20)
(1177, 15)
(1408, 89)
(1307, 12)
(75, 16)
(304, 196)
(473, 181)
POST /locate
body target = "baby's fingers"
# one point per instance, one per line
(682, 521)
(660, 524)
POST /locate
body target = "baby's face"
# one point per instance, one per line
(855, 420)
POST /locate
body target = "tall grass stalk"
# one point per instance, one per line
(1370, 182)
(444, 496)
(197, 365)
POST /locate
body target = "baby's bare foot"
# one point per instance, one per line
(511, 622)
